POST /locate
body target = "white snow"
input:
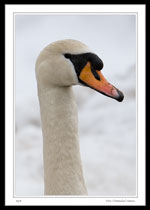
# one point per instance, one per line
(107, 128)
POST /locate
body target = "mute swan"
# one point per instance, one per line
(59, 66)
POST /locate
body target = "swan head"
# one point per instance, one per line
(71, 62)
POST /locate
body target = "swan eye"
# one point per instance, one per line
(80, 60)
(67, 55)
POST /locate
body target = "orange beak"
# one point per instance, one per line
(102, 85)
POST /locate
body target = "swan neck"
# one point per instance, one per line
(63, 173)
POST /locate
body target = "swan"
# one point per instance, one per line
(59, 66)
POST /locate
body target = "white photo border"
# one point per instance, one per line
(10, 11)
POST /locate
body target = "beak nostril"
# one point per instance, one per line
(96, 75)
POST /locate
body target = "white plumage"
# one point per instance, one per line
(63, 174)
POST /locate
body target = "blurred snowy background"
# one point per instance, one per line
(107, 128)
